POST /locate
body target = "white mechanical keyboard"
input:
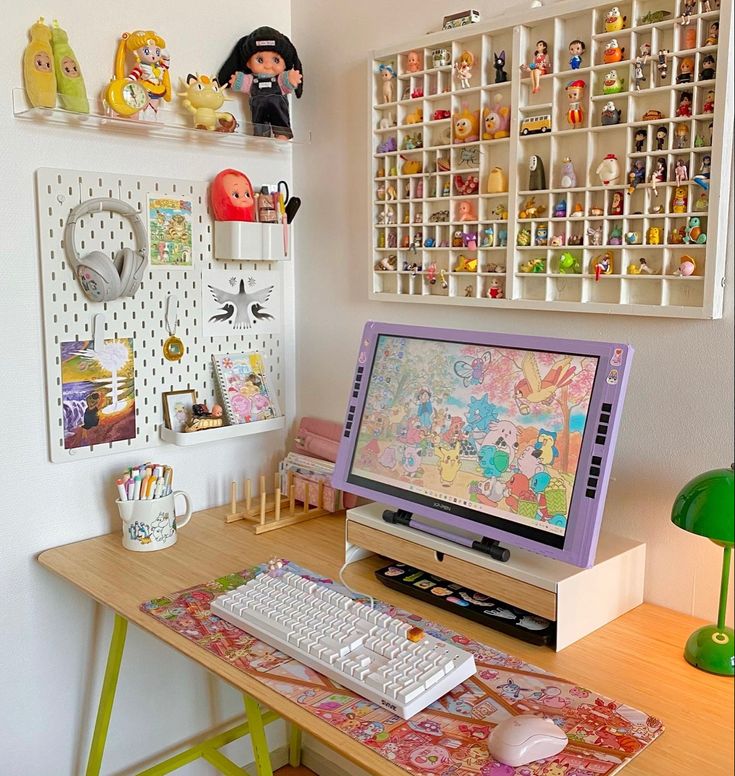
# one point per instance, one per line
(379, 657)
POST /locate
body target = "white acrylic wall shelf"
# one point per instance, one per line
(170, 126)
(245, 241)
(414, 212)
(184, 439)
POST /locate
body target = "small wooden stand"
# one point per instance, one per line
(275, 510)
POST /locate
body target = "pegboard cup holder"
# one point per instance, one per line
(247, 241)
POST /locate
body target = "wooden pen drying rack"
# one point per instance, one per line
(270, 511)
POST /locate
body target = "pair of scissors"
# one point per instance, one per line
(291, 204)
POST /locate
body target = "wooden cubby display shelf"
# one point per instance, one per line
(675, 230)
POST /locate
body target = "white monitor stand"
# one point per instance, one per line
(579, 600)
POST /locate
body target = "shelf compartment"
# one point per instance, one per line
(184, 439)
(247, 241)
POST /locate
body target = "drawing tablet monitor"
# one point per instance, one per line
(505, 436)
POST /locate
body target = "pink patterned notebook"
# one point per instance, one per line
(447, 738)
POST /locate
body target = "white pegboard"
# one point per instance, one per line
(68, 315)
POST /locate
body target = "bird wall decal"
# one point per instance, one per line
(242, 308)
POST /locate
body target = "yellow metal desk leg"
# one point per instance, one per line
(294, 746)
(107, 696)
(257, 737)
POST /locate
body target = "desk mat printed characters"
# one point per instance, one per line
(449, 737)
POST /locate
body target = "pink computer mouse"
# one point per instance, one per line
(524, 739)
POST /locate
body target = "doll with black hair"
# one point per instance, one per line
(266, 66)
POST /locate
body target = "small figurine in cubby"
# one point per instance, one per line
(694, 232)
(636, 175)
(392, 240)
(501, 212)
(614, 20)
(708, 71)
(708, 106)
(686, 71)
(429, 242)
(419, 190)
(603, 264)
(560, 209)
(488, 237)
(388, 146)
(468, 157)
(676, 236)
(632, 238)
(502, 239)
(567, 176)
(713, 34)
(613, 52)
(466, 124)
(644, 51)
(596, 211)
(457, 238)
(577, 211)
(569, 264)
(679, 200)
(499, 64)
(495, 290)
(446, 189)
(469, 291)
(640, 137)
(431, 272)
(641, 268)
(390, 217)
(387, 74)
(576, 50)
(575, 240)
(594, 235)
(616, 204)
(465, 265)
(575, 94)
(610, 115)
(530, 209)
(542, 235)
(466, 186)
(662, 65)
(405, 241)
(653, 235)
(381, 218)
(523, 240)
(658, 174)
(416, 116)
(541, 65)
(387, 121)
(699, 141)
(418, 217)
(496, 120)
(608, 170)
(702, 177)
(639, 75)
(443, 278)
(662, 136)
(387, 263)
(537, 173)
(381, 240)
(681, 172)
(417, 93)
(556, 240)
(497, 181)
(681, 135)
(688, 7)
(613, 83)
(684, 108)
(533, 265)
(463, 68)
(413, 62)
(687, 267)
(616, 236)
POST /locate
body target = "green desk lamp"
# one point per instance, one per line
(704, 506)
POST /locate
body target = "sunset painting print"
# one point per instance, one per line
(98, 392)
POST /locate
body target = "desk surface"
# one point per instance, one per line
(637, 659)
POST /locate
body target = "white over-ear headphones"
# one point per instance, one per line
(103, 278)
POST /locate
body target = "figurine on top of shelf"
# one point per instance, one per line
(466, 211)
(639, 75)
(608, 170)
(637, 174)
(658, 174)
(713, 34)
(202, 96)
(614, 20)
(688, 7)
(463, 68)
(613, 83)
(537, 173)
(576, 50)
(387, 74)
(708, 106)
(702, 177)
(575, 112)
(686, 71)
(610, 114)
(39, 76)
(466, 125)
(69, 79)
(496, 120)
(684, 108)
(681, 135)
(413, 62)
(616, 204)
(707, 73)
(568, 177)
(497, 181)
(681, 172)
(613, 52)
(679, 200)
(662, 65)
(662, 135)
(639, 139)
(603, 264)
(499, 64)
(266, 66)
(541, 65)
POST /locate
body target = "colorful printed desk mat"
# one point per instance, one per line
(449, 737)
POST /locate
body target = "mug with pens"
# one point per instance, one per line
(146, 502)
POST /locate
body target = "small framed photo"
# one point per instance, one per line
(177, 408)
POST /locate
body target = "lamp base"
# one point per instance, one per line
(711, 649)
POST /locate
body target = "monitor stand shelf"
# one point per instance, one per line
(578, 600)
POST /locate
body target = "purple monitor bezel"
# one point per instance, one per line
(583, 528)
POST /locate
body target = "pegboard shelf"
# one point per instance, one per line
(244, 135)
(184, 439)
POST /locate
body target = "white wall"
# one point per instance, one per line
(678, 418)
(54, 639)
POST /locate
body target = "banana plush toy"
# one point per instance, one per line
(38, 67)
(69, 79)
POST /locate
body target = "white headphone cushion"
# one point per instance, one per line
(97, 263)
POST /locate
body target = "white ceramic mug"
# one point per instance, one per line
(151, 524)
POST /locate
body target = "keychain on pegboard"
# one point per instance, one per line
(173, 347)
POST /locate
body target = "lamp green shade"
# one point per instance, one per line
(706, 507)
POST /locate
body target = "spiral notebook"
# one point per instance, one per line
(244, 388)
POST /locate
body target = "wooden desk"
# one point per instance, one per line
(636, 659)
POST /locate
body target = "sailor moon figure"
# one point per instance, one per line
(151, 67)
(541, 65)
(463, 66)
(265, 65)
